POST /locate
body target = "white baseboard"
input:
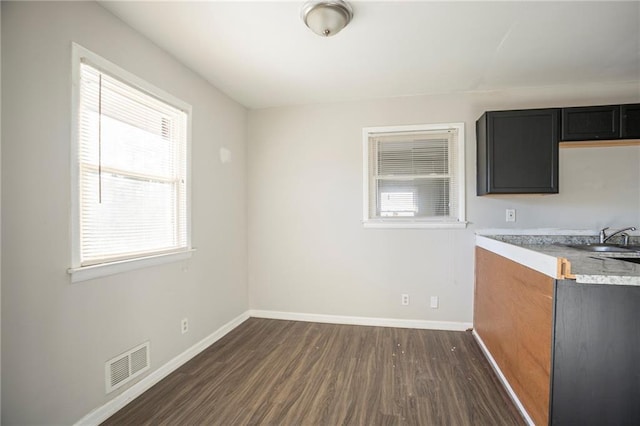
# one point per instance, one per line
(102, 413)
(349, 320)
(503, 379)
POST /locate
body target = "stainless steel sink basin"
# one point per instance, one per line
(607, 248)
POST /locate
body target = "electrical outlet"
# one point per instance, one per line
(434, 302)
(184, 325)
(511, 215)
(405, 299)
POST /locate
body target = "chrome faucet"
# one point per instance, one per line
(604, 237)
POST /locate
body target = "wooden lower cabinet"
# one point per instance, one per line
(513, 310)
(570, 351)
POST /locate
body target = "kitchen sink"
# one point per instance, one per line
(607, 248)
(628, 259)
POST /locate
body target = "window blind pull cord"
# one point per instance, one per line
(100, 140)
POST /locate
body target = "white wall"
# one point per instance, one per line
(56, 336)
(309, 253)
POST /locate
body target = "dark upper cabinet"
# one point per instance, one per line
(610, 122)
(517, 152)
(591, 123)
(630, 121)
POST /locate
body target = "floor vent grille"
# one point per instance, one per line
(125, 367)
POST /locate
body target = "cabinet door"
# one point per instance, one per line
(630, 121)
(591, 123)
(596, 355)
(518, 152)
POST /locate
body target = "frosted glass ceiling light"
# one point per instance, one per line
(326, 18)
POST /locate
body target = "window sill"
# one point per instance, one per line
(85, 273)
(414, 225)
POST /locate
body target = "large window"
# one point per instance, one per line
(414, 176)
(130, 167)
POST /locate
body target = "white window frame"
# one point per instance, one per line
(406, 222)
(77, 271)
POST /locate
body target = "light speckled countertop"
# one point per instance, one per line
(588, 267)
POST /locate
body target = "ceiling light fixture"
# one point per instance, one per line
(328, 17)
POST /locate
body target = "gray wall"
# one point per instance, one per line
(309, 253)
(56, 336)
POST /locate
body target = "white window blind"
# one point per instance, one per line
(132, 171)
(414, 175)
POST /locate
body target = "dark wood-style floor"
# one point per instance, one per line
(270, 372)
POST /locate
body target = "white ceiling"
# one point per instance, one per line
(262, 55)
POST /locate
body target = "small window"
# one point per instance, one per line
(129, 160)
(414, 176)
